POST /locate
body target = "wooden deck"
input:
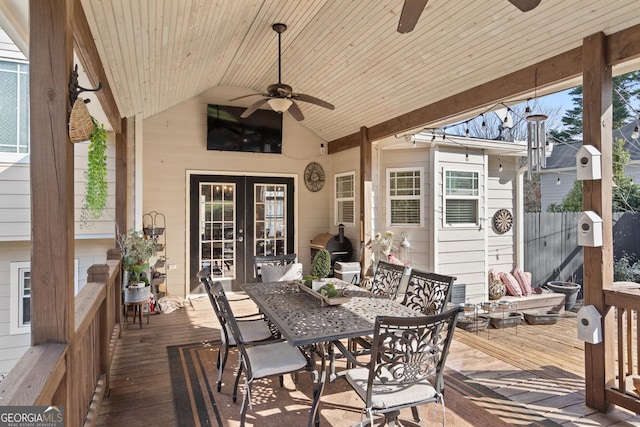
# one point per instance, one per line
(535, 373)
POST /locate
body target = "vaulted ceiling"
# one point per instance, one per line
(159, 53)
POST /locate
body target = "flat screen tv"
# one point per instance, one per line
(261, 132)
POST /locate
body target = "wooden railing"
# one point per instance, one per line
(625, 301)
(74, 375)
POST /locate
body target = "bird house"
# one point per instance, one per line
(588, 165)
(589, 229)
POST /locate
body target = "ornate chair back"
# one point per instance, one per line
(428, 293)
(387, 278)
(407, 363)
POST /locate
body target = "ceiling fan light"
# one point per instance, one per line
(280, 104)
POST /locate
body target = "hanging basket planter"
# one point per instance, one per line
(80, 123)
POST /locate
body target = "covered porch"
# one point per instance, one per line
(78, 344)
(530, 376)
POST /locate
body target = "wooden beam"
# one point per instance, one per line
(51, 157)
(87, 52)
(621, 47)
(365, 198)
(597, 131)
(121, 179)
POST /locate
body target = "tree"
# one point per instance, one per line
(626, 87)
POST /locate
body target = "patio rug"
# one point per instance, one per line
(198, 403)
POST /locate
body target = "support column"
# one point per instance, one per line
(121, 179)
(137, 173)
(366, 193)
(597, 117)
(51, 157)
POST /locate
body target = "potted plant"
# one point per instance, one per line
(320, 268)
(136, 250)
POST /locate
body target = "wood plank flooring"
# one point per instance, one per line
(539, 370)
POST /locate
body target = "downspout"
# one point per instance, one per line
(519, 217)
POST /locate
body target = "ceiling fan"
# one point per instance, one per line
(412, 9)
(280, 96)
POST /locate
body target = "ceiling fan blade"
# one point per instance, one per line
(246, 96)
(295, 112)
(525, 5)
(312, 100)
(411, 11)
(252, 108)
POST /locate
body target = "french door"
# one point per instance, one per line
(234, 218)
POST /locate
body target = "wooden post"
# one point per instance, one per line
(598, 261)
(365, 199)
(51, 157)
(121, 179)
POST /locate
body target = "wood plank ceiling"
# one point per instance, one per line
(160, 53)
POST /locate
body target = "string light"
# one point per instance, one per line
(484, 124)
(466, 156)
(558, 181)
(635, 132)
(500, 166)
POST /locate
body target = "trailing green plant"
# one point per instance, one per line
(95, 198)
(136, 251)
(321, 264)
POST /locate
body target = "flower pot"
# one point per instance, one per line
(134, 293)
(569, 289)
(317, 284)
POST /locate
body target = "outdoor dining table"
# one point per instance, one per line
(304, 322)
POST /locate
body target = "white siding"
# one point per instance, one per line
(501, 195)
(553, 192)
(12, 347)
(15, 202)
(419, 237)
(346, 161)
(175, 143)
(458, 243)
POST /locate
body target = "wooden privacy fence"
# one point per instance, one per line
(74, 375)
(551, 250)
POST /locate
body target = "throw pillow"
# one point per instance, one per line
(513, 288)
(280, 273)
(523, 281)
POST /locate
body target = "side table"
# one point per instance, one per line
(138, 307)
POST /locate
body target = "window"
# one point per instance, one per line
(20, 322)
(405, 196)
(345, 198)
(20, 298)
(461, 197)
(14, 107)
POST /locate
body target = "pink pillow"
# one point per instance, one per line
(523, 281)
(513, 288)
